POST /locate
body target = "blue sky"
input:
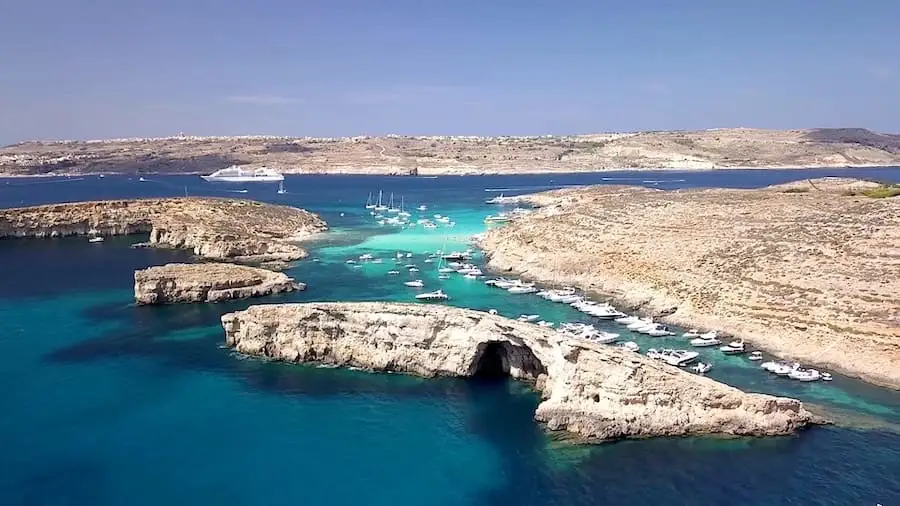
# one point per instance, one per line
(103, 68)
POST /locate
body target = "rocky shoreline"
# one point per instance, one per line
(212, 228)
(727, 148)
(597, 393)
(806, 271)
(207, 282)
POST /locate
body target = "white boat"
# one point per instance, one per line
(369, 204)
(691, 334)
(497, 218)
(677, 358)
(783, 369)
(413, 269)
(430, 226)
(495, 200)
(282, 191)
(521, 288)
(422, 207)
(658, 330)
(380, 206)
(755, 356)
(627, 320)
(492, 311)
(391, 208)
(544, 323)
(641, 322)
(96, 239)
(733, 348)
(605, 337)
(366, 256)
(435, 295)
(529, 317)
(415, 283)
(236, 174)
(801, 374)
(826, 376)
(443, 276)
(446, 270)
(701, 368)
(470, 276)
(630, 346)
(402, 213)
(392, 273)
(702, 342)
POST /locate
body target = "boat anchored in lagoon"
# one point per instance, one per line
(237, 174)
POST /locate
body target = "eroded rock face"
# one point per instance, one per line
(207, 282)
(596, 392)
(221, 229)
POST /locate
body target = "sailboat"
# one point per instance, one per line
(369, 204)
(391, 208)
(402, 212)
(281, 189)
(443, 270)
(380, 206)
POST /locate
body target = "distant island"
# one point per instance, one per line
(459, 155)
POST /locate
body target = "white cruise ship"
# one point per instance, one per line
(236, 174)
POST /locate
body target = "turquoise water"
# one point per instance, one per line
(109, 404)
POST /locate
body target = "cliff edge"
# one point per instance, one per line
(593, 391)
(207, 282)
(213, 228)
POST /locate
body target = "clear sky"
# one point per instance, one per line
(103, 68)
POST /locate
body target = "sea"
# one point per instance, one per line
(105, 403)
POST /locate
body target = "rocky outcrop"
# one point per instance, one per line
(808, 270)
(593, 391)
(220, 229)
(207, 282)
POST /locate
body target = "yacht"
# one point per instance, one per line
(630, 346)
(433, 296)
(733, 348)
(605, 337)
(415, 283)
(96, 239)
(801, 374)
(627, 320)
(641, 322)
(708, 339)
(755, 356)
(656, 330)
(529, 317)
(422, 207)
(519, 287)
(677, 358)
(236, 174)
(691, 334)
(380, 206)
(495, 200)
(826, 376)
(391, 208)
(496, 218)
(391, 273)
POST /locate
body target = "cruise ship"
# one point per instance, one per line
(236, 174)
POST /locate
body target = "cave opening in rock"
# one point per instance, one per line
(493, 362)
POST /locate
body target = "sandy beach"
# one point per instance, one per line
(809, 271)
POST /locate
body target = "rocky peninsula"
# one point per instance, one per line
(808, 271)
(458, 155)
(595, 392)
(212, 228)
(207, 282)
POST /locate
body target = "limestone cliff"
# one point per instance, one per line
(207, 282)
(596, 392)
(222, 229)
(808, 270)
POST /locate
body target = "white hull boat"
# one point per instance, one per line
(236, 174)
(703, 342)
(436, 295)
(415, 284)
(701, 368)
(631, 346)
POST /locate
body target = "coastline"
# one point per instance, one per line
(669, 292)
(465, 172)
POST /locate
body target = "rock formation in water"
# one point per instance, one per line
(221, 229)
(207, 282)
(808, 271)
(594, 391)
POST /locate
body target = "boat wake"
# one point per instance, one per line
(528, 188)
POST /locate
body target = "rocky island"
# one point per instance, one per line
(207, 282)
(808, 271)
(458, 155)
(212, 228)
(594, 392)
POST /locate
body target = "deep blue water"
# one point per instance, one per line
(110, 404)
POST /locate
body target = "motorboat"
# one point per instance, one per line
(641, 322)
(529, 317)
(733, 348)
(413, 269)
(702, 342)
(755, 356)
(471, 276)
(433, 296)
(701, 368)
(630, 346)
(492, 311)
(456, 255)
(422, 207)
(366, 256)
(392, 273)
(522, 288)
(605, 337)
(350, 261)
(657, 330)
(801, 374)
(430, 226)
(496, 218)
(446, 270)
(237, 174)
(691, 334)
(627, 320)
(677, 358)
(544, 323)
(415, 283)
(96, 239)
(826, 376)
(783, 368)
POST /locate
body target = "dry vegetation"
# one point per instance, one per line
(808, 270)
(707, 149)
